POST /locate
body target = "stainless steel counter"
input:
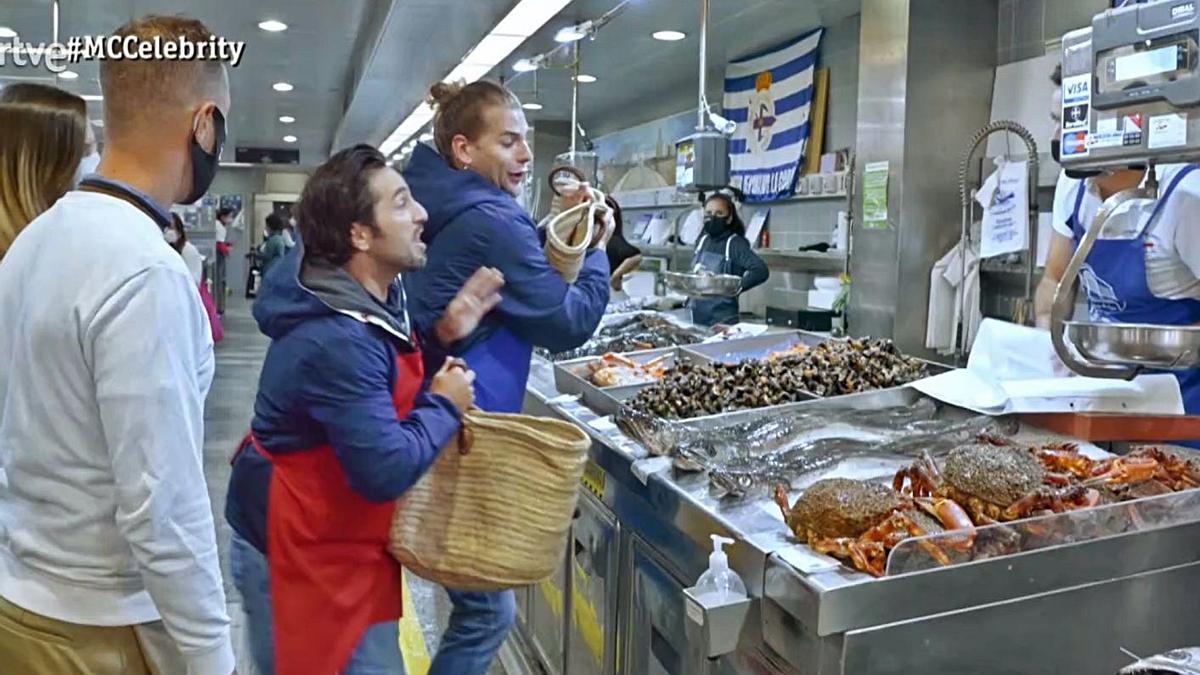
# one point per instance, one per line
(1067, 607)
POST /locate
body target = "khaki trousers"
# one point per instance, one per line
(31, 644)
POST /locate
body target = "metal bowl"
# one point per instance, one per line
(1146, 345)
(704, 285)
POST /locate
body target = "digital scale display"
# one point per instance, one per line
(1141, 65)
(1146, 64)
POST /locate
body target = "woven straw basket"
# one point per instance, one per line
(496, 517)
(567, 239)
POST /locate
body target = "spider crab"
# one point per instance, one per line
(861, 522)
(994, 483)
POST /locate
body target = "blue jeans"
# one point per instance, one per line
(479, 623)
(377, 653)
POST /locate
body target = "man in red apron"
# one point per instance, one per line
(341, 427)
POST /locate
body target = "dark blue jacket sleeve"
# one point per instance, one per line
(753, 270)
(350, 396)
(537, 304)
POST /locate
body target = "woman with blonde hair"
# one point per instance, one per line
(40, 152)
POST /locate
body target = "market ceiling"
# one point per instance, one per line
(357, 68)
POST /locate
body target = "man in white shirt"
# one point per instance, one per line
(108, 557)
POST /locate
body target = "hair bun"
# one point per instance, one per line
(443, 93)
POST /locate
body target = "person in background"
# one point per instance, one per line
(109, 554)
(1145, 265)
(289, 232)
(623, 257)
(46, 96)
(470, 184)
(341, 427)
(273, 247)
(176, 235)
(224, 220)
(723, 249)
(41, 151)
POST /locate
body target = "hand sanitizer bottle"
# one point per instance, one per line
(719, 584)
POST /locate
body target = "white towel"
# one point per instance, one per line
(946, 283)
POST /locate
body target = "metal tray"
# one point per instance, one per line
(570, 377)
(757, 347)
(1149, 346)
(704, 285)
(608, 401)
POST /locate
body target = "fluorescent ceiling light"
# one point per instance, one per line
(425, 137)
(573, 33)
(468, 72)
(237, 165)
(272, 26)
(668, 35)
(69, 75)
(522, 21)
(282, 86)
(586, 79)
(525, 66)
(287, 119)
(531, 106)
(493, 49)
(91, 97)
(7, 33)
(529, 16)
(289, 139)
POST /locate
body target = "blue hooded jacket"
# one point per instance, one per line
(327, 380)
(472, 224)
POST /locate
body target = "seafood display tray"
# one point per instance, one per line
(757, 347)
(571, 377)
(1067, 607)
(608, 401)
(762, 346)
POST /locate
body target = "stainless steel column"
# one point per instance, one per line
(924, 86)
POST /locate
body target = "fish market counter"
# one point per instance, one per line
(1064, 592)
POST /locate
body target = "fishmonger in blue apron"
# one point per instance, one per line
(724, 249)
(1135, 273)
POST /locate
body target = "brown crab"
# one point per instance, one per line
(860, 522)
(1144, 472)
(994, 483)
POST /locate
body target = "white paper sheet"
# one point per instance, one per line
(754, 226)
(659, 229)
(690, 232)
(1004, 197)
(1014, 369)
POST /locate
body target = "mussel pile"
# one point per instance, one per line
(690, 390)
(837, 367)
(832, 368)
(643, 331)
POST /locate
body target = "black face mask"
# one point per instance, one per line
(1076, 174)
(204, 164)
(715, 225)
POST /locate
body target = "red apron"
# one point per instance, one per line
(331, 574)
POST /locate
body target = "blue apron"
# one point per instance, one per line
(710, 311)
(1114, 276)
